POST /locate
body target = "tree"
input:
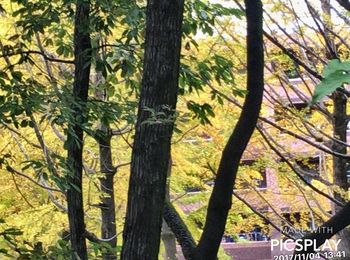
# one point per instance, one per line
(151, 148)
(41, 35)
(82, 61)
(338, 116)
(310, 128)
(28, 82)
(337, 120)
(220, 200)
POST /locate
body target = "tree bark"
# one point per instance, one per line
(340, 164)
(168, 236)
(82, 52)
(108, 228)
(151, 148)
(169, 242)
(107, 199)
(221, 198)
(180, 230)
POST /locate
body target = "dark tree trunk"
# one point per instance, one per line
(221, 198)
(151, 148)
(340, 164)
(108, 228)
(180, 230)
(82, 52)
(345, 4)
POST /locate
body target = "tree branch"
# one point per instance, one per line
(335, 224)
(345, 4)
(221, 198)
(180, 230)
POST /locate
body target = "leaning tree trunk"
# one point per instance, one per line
(335, 224)
(82, 52)
(180, 230)
(151, 148)
(221, 198)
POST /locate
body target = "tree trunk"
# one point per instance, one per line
(179, 228)
(151, 148)
(169, 242)
(168, 236)
(82, 52)
(108, 228)
(340, 164)
(221, 198)
(107, 200)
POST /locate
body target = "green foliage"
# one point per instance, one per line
(200, 16)
(335, 75)
(166, 115)
(201, 111)
(12, 246)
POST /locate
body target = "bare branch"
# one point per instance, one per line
(12, 170)
(27, 53)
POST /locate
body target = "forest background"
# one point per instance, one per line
(45, 107)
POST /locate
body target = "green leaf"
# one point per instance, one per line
(17, 75)
(336, 65)
(335, 75)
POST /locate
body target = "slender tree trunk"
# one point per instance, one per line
(169, 242)
(340, 164)
(221, 198)
(107, 200)
(168, 236)
(82, 52)
(151, 148)
(108, 228)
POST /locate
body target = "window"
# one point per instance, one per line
(257, 234)
(292, 73)
(264, 209)
(282, 61)
(290, 67)
(348, 172)
(310, 166)
(299, 105)
(296, 104)
(260, 183)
